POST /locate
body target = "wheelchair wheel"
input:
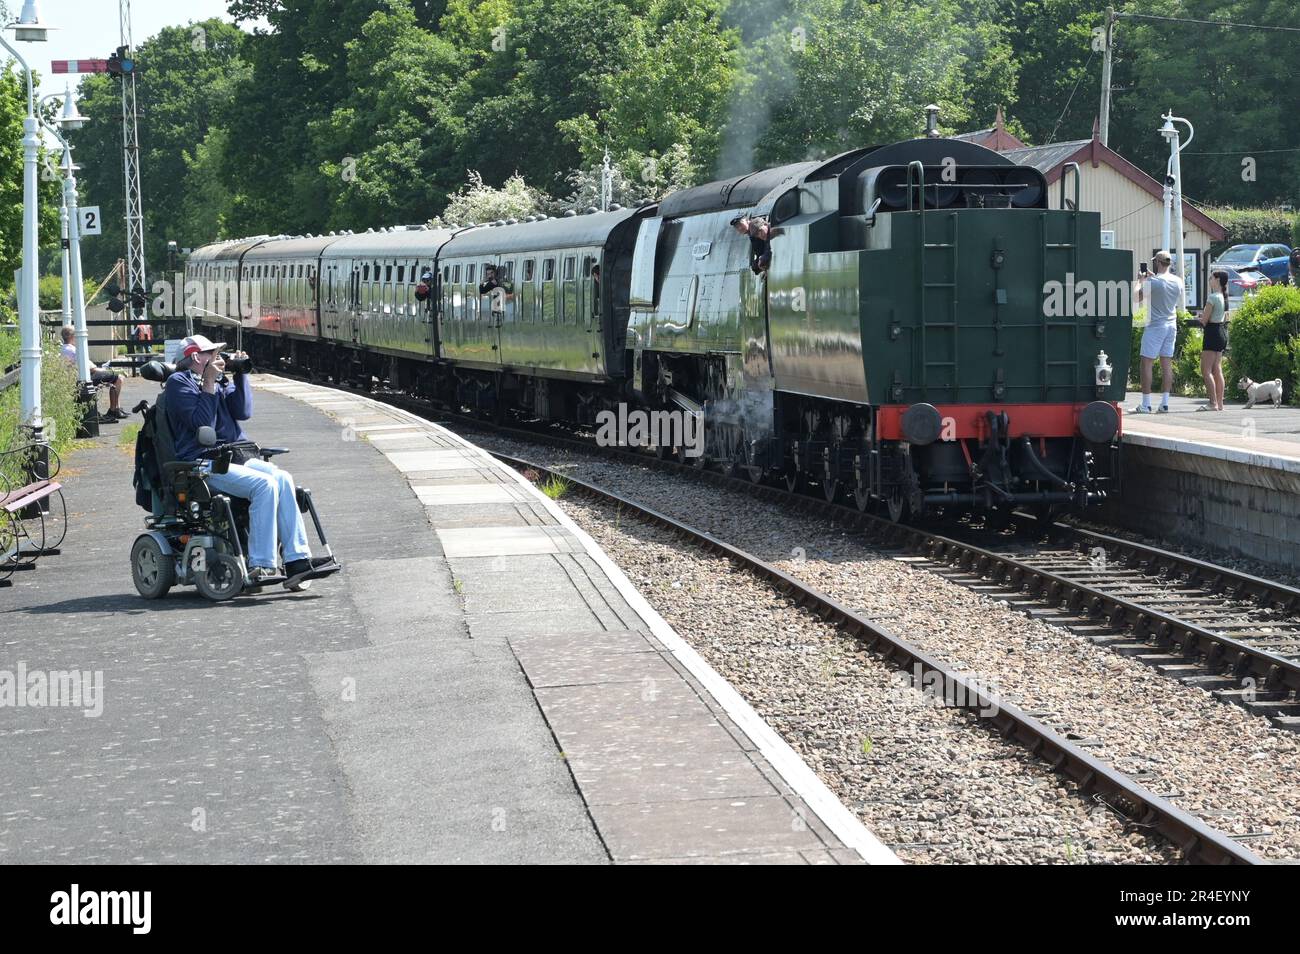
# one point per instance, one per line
(152, 570)
(221, 579)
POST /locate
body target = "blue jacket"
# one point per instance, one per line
(189, 407)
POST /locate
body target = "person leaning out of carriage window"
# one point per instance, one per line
(761, 234)
(595, 288)
(1214, 319)
(489, 282)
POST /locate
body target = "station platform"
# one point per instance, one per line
(479, 685)
(1227, 479)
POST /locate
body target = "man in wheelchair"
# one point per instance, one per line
(200, 395)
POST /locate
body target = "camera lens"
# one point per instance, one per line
(237, 365)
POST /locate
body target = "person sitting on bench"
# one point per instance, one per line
(201, 395)
(97, 375)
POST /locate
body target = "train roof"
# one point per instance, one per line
(224, 251)
(593, 228)
(737, 192)
(291, 247)
(420, 243)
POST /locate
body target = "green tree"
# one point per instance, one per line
(1236, 84)
(396, 125)
(184, 89)
(858, 74)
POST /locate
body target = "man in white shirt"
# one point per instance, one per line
(1164, 290)
(97, 376)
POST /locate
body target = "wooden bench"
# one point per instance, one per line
(26, 515)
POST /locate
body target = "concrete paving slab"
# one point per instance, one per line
(480, 493)
(718, 828)
(505, 541)
(433, 460)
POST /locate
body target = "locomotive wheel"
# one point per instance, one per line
(896, 506)
(861, 499)
(793, 480)
(830, 489)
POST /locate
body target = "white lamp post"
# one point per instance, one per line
(1174, 188)
(30, 29)
(74, 293)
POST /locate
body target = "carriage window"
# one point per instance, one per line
(388, 273)
(446, 273)
(508, 273)
(528, 269)
(455, 275)
(365, 272)
(401, 273)
(471, 271)
(568, 269)
(548, 270)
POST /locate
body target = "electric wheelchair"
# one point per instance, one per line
(194, 536)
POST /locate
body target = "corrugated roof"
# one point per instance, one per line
(1045, 158)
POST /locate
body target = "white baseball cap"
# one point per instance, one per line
(196, 343)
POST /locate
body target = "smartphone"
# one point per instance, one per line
(1142, 267)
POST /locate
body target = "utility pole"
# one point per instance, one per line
(1109, 40)
(135, 274)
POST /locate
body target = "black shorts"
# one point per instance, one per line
(103, 377)
(1216, 337)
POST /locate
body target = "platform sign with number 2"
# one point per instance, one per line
(89, 215)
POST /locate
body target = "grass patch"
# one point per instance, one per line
(554, 487)
(126, 440)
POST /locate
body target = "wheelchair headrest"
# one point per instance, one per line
(158, 371)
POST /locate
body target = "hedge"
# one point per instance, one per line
(59, 406)
(1264, 339)
(1254, 227)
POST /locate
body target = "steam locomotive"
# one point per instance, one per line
(902, 349)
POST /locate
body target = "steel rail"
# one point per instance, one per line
(1198, 842)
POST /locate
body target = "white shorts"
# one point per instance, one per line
(1158, 340)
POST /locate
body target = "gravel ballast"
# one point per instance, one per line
(1233, 770)
(931, 782)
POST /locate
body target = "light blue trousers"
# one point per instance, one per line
(273, 518)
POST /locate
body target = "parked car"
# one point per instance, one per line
(1270, 259)
(1243, 282)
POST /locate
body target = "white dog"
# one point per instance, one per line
(1257, 392)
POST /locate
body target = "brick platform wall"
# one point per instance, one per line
(1232, 505)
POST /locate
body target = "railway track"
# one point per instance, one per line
(1230, 633)
(1205, 625)
(1198, 842)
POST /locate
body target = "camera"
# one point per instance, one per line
(237, 365)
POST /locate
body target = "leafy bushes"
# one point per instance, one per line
(1264, 338)
(1254, 226)
(59, 406)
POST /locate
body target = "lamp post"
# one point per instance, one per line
(29, 29)
(1173, 192)
(74, 293)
